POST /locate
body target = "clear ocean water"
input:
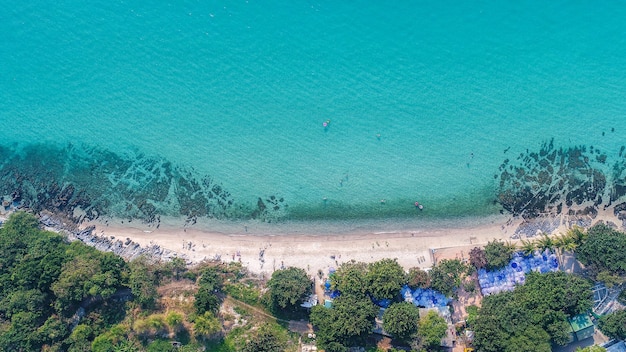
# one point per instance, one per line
(425, 98)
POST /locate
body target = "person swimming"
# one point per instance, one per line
(419, 206)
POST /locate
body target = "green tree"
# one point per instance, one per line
(206, 325)
(527, 247)
(593, 348)
(446, 276)
(288, 288)
(418, 278)
(267, 339)
(498, 254)
(210, 286)
(178, 266)
(431, 329)
(351, 279)
(347, 323)
(614, 325)
(401, 320)
(604, 249)
(385, 277)
(532, 314)
(143, 281)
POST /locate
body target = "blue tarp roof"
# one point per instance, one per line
(421, 297)
(515, 272)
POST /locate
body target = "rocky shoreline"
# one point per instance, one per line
(126, 249)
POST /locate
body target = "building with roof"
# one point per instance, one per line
(616, 347)
(582, 327)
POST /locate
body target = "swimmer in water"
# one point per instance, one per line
(419, 206)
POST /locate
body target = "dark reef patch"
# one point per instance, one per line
(550, 180)
(86, 183)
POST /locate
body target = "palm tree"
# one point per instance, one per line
(578, 236)
(545, 242)
(527, 247)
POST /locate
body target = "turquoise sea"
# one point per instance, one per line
(425, 98)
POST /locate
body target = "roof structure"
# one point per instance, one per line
(582, 326)
(515, 272)
(618, 347)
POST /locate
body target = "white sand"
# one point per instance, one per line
(313, 252)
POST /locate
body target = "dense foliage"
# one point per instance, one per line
(288, 288)
(614, 325)
(446, 276)
(593, 348)
(498, 254)
(400, 320)
(385, 278)
(604, 249)
(431, 329)
(531, 316)
(44, 280)
(351, 279)
(210, 285)
(418, 278)
(266, 339)
(347, 323)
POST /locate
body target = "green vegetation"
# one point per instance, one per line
(288, 288)
(447, 276)
(210, 284)
(44, 280)
(614, 325)
(140, 305)
(267, 339)
(418, 278)
(350, 279)
(348, 323)
(532, 315)
(604, 250)
(498, 254)
(400, 320)
(431, 329)
(385, 278)
(591, 349)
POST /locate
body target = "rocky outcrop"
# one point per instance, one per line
(127, 249)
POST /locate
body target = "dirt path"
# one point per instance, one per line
(294, 325)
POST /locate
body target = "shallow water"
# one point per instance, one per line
(425, 99)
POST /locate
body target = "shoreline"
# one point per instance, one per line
(320, 248)
(313, 251)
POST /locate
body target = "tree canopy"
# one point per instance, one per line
(431, 329)
(605, 249)
(210, 285)
(446, 276)
(266, 339)
(418, 278)
(400, 320)
(288, 288)
(351, 279)
(498, 254)
(533, 314)
(347, 323)
(614, 325)
(385, 278)
(43, 280)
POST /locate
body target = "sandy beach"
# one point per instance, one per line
(263, 254)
